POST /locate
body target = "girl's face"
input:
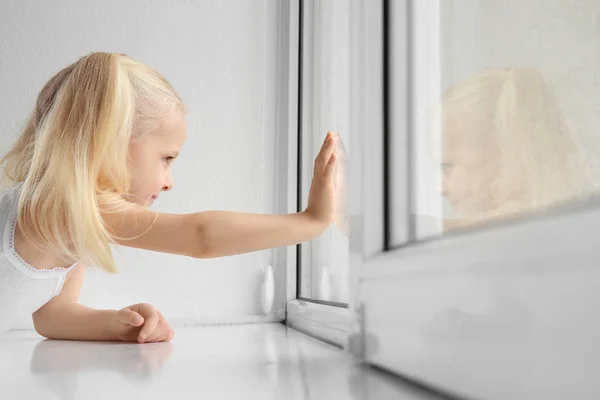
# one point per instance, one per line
(151, 158)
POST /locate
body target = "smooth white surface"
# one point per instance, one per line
(331, 324)
(508, 312)
(222, 58)
(262, 362)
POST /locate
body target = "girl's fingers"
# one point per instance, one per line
(170, 335)
(325, 154)
(322, 157)
(158, 335)
(129, 317)
(330, 146)
(149, 327)
(330, 157)
(330, 169)
(162, 331)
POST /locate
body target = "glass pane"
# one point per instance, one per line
(325, 260)
(505, 109)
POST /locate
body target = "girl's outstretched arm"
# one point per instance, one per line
(223, 233)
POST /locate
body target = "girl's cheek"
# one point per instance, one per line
(160, 179)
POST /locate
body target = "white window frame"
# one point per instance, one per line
(503, 311)
(327, 321)
(286, 81)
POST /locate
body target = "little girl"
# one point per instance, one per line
(95, 154)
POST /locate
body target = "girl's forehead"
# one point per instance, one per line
(172, 128)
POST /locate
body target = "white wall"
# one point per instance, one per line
(221, 57)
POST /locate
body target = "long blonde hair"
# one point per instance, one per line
(72, 155)
(541, 162)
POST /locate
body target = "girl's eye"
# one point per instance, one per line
(169, 160)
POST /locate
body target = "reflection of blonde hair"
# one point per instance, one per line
(539, 161)
(72, 155)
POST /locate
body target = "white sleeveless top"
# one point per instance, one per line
(23, 289)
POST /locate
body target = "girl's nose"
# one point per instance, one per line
(168, 184)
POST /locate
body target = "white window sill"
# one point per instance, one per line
(328, 323)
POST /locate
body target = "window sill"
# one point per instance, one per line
(327, 323)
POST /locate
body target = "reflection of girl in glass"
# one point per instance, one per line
(506, 149)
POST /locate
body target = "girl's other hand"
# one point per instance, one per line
(142, 323)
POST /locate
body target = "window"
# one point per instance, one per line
(324, 262)
(486, 280)
(319, 303)
(503, 119)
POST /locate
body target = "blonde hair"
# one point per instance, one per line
(540, 162)
(72, 155)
